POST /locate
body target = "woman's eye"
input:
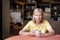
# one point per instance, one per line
(36, 15)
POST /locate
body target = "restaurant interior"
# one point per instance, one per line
(51, 12)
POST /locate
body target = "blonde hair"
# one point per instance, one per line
(38, 10)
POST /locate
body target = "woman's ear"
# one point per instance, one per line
(33, 19)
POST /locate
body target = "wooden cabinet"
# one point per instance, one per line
(55, 10)
(28, 10)
(46, 0)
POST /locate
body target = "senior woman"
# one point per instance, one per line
(38, 24)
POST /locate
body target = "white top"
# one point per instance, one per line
(16, 16)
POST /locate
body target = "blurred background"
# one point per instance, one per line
(17, 13)
(0, 18)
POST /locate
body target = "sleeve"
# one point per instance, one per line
(27, 26)
(12, 15)
(48, 26)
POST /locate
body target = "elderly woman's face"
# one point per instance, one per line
(37, 16)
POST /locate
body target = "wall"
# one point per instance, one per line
(6, 25)
(0, 19)
(5, 18)
(55, 24)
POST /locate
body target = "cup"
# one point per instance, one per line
(37, 33)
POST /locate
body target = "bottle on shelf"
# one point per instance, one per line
(33, 1)
(29, 0)
(17, 8)
(55, 7)
(55, 13)
(11, 10)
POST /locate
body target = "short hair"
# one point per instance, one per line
(37, 10)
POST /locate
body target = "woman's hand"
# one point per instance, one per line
(31, 34)
(47, 34)
(28, 33)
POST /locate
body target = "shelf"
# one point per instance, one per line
(54, 15)
(55, 9)
(44, 4)
(58, 14)
(55, 2)
(28, 9)
(30, 3)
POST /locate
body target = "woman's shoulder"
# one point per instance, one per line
(31, 21)
(45, 21)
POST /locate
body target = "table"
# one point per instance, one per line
(20, 37)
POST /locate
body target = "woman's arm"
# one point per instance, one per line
(50, 30)
(25, 32)
(50, 33)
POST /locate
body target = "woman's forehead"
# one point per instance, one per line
(37, 13)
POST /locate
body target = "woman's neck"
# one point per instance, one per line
(37, 23)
